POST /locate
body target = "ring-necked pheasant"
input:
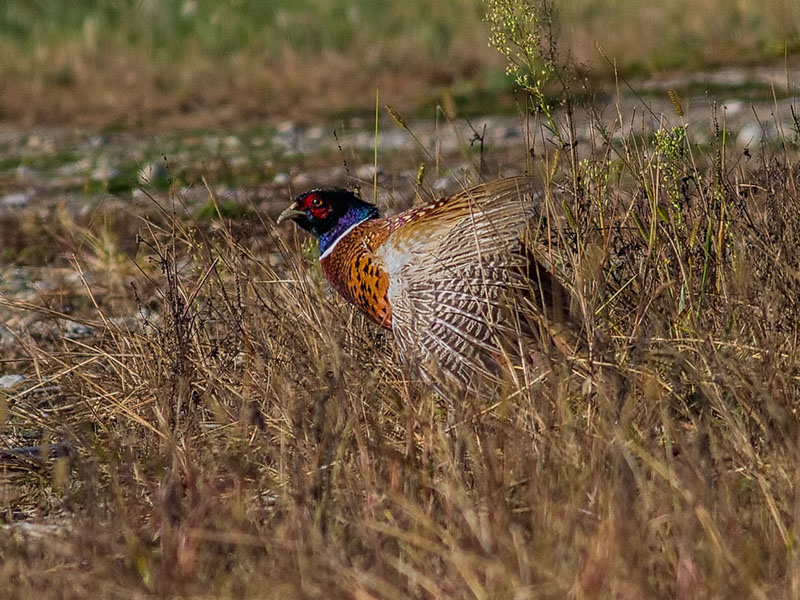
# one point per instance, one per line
(454, 280)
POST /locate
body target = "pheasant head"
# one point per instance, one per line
(328, 214)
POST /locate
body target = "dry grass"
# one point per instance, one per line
(248, 435)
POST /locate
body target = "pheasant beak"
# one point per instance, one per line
(290, 213)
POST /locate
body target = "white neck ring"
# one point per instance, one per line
(330, 248)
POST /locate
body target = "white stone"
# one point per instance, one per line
(16, 199)
(8, 382)
(749, 135)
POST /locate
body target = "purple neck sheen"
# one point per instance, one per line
(354, 216)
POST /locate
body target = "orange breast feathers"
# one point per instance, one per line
(357, 274)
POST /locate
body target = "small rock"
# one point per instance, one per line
(286, 127)
(15, 200)
(73, 330)
(126, 324)
(153, 174)
(367, 172)
(394, 140)
(301, 181)
(23, 173)
(103, 172)
(441, 184)
(8, 382)
(238, 162)
(749, 135)
(317, 132)
(733, 107)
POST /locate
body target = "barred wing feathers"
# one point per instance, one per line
(456, 268)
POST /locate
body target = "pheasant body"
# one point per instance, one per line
(453, 280)
(353, 269)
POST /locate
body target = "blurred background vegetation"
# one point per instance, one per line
(140, 62)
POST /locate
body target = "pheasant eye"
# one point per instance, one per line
(316, 202)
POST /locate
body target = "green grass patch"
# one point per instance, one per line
(175, 59)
